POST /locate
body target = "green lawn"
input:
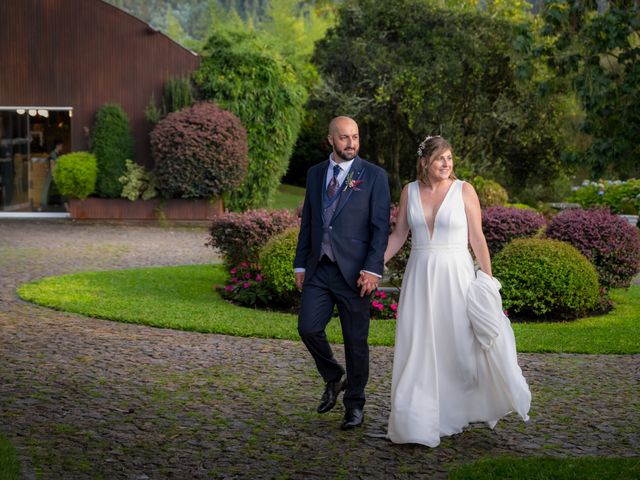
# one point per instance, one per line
(288, 197)
(532, 468)
(183, 298)
(9, 465)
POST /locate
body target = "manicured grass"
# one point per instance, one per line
(9, 465)
(183, 298)
(288, 197)
(589, 468)
(615, 332)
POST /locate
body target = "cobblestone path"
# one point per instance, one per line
(85, 398)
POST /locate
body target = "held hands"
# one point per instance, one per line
(367, 283)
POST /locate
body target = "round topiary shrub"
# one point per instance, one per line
(503, 224)
(112, 144)
(276, 260)
(490, 193)
(240, 236)
(199, 152)
(75, 174)
(607, 240)
(546, 279)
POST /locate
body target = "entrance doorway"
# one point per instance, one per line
(28, 135)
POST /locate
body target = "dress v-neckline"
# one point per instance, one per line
(430, 234)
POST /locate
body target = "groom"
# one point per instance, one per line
(339, 261)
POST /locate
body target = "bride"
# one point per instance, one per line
(445, 373)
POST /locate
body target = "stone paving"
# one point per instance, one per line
(86, 398)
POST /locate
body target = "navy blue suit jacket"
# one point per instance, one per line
(359, 228)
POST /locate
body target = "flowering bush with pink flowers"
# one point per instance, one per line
(246, 286)
(397, 265)
(384, 305)
(607, 240)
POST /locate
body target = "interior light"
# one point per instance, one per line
(20, 111)
(70, 113)
(43, 113)
(33, 113)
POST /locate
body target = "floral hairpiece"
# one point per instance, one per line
(423, 144)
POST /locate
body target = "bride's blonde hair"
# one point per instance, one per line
(428, 151)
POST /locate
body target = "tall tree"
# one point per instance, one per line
(240, 74)
(594, 46)
(405, 69)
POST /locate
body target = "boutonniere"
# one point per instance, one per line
(352, 184)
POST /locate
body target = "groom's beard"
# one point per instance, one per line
(347, 154)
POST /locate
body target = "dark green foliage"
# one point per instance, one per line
(177, 94)
(112, 144)
(405, 69)
(199, 152)
(276, 260)
(546, 279)
(75, 174)
(607, 240)
(240, 236)
(597, 52)
(263, 90)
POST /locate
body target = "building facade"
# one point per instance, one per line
(60, 61)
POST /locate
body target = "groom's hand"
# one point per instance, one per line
(367, 282)
(299, 280)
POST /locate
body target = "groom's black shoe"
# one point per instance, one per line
(330, 395)
(353, 417)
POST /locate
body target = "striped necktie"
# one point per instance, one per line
(333, 184)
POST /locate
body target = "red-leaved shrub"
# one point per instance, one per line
(240, 236)
(199, 152)
(607, 240)
(502, 224)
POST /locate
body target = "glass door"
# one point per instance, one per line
(28, 136)
(14, 161)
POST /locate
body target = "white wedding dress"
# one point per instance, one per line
(442, 378)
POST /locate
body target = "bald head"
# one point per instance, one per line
(344, 137)
(339, 122)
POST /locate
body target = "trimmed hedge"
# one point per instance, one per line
(240, 236)
(503, 224)
(112, 144)
(199, 152)
(75, 174)
(276, 260)
(545, 279)
(607, 240)
(490, 193)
